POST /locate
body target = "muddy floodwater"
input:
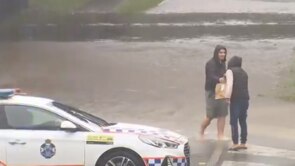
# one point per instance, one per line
(155, 27)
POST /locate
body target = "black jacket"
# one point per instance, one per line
(240, 79)
(214, 69)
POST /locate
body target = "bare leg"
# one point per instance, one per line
(206, 122)
(220, 127)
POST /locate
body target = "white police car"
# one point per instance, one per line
(37, 131)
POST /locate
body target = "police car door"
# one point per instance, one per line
(35, 138)
(2, 137)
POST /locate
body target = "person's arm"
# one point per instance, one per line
(229, 84)
(210, 72)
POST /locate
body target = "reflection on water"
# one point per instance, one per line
(81, 27)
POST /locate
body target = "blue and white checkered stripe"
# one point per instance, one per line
(154, 162)
(179, 162)
(158, 162)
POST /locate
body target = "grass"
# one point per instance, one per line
(60, 6)
(138, 6)
(287, 85)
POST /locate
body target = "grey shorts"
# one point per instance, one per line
(215, 108)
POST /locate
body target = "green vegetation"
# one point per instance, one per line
(287, 85)
(64, 6)
(137, 6)
(60, 6)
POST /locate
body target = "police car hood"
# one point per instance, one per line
(145, 130)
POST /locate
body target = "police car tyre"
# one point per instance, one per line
(120, 158)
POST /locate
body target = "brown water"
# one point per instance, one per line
(156, 27)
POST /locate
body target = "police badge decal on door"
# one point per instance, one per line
(48, 149)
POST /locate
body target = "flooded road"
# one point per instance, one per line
(159, 27)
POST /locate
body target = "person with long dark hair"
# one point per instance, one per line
(215, 108)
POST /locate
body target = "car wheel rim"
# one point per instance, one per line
(120, 161)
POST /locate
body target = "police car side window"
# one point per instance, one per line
(31, 118)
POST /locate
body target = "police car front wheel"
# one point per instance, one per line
(121, 158)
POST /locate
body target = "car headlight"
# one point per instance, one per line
(158, 142)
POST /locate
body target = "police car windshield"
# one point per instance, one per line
(86, 117)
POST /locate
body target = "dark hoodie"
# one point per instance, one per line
(240, 79)
(235, 61)
(214, 69)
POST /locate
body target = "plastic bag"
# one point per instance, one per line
(220, 91)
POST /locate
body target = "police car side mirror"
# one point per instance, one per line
(68, 126)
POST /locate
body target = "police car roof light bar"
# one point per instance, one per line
(6, 93)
